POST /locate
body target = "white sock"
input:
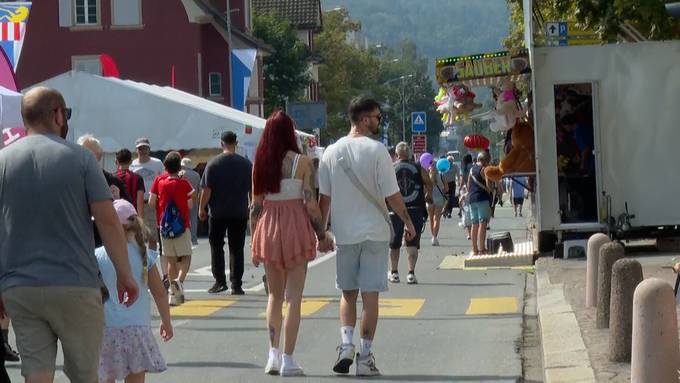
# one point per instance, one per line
(365, 347)
(274, 351)
(347, 332)
(288, 360)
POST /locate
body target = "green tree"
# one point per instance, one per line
(286, 70)
(605, 17)
(347, 71)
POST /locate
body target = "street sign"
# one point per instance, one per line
(552, 29)
(308, 115)
(561, 33)
(418, 122)
(418, 145)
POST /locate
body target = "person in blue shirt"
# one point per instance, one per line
(129, 349)
(518, 194)
(479, 200)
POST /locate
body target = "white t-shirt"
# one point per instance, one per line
(148, 171)
(355, 219)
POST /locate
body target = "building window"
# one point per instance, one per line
(87, 12)
(87, 64)
(215, 85)
(126, 12)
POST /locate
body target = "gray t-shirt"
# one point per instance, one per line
(46, 236)
(193, 178)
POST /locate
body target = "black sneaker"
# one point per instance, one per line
(237, 291)
(217, 288)
(11, 355)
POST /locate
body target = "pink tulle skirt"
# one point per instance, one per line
(284, 237)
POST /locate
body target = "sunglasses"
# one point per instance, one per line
(67, 112)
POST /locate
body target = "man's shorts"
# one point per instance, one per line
(398, 225)
(518, 201)
(177, 247)
(480, 212)
(362, 266)
(43, 315)
(151, 222)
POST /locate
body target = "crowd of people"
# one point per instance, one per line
(102, 245)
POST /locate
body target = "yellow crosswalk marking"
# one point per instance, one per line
(200, 308)
(492, 306)
(400, 307)
(309, 306)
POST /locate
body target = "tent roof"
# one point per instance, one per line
(119, 111)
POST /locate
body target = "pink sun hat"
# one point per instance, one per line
(124, 210)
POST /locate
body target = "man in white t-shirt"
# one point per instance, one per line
(148, 168)
(360, 229)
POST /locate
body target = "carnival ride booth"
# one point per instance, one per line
(118, 112)
(505, 73)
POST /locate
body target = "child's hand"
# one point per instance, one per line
(166, 331)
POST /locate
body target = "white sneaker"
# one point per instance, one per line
(180, 292)
(273, 366)
(366, 366)
(393, 277)
(173, 297)
(411, 279)
(435, 241)
(291, 369)
(345, 358)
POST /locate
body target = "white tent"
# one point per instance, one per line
(118, 112)
(10, 116)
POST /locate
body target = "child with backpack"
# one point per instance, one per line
(171, 196)
(129, 349)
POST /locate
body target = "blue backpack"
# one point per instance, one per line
(172, 223)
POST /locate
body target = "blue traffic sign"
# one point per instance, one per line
(563, 29)
(418, 122)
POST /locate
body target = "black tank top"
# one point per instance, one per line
(410, 183)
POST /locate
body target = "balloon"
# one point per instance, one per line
(443, 165)
(426, 160)
(476, 142)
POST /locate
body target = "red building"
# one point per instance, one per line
(152, 41)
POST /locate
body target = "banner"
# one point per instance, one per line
(13, 20)
(497, 64)
(242, 62)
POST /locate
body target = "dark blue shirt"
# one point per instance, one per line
(476, 192)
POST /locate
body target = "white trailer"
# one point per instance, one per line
(634, 92)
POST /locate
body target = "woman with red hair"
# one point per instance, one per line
(284, 217)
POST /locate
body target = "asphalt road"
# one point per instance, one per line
(455, 325)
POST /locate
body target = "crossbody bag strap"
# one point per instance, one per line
(479, 183)
(345, 165)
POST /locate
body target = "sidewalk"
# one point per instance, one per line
(573, 349)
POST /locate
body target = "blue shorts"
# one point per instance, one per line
(362, 266)
(480, 212)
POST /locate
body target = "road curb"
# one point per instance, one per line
(565, 357)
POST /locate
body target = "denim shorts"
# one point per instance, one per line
(480, 212)
(362, 266)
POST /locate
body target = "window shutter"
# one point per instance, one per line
(65, 13)
(126, 12)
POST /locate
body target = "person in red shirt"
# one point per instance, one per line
(134, 184)
(168, 187)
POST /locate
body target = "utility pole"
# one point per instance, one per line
(230, 60)
(403, 109)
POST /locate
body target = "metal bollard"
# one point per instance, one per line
(626, 275)
(595, 242)
(655, 354)
(609, 253)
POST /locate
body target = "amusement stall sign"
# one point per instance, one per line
(487, 65)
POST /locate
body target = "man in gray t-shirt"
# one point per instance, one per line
(49, 191)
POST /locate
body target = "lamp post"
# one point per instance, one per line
(403, 101)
